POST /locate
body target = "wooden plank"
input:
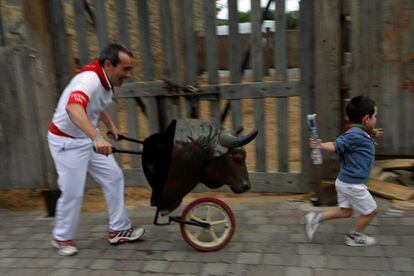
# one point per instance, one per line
(282, 134)
(394, 164)
(152, 113)
(259, 121)
(390, 190)
(306, 59)
(234, 60)
(389, 105)
(133, 131)
(81, 37)
(100, 17)
(20, 158)
(122, 19)
(404, 205)
(145, 41)
(260, 182)
(256, 61)
(169, 106)
(280, 53)
(234, 42)
(59, 43)
(167, 40)
(2, 33)
(211, 56)
(407, 119)
(256, 45)
(328, 101)
(225, 91)
(147, 65)
(192, 104)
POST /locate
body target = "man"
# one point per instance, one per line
(77, 147)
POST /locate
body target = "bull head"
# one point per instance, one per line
(230, 168)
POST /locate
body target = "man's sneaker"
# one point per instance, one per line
(65, 248)
(311, 225)
(359, 240)
(129, 235)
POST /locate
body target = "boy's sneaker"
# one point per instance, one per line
(359, 240)
(65, 248)
(311, 225)
(129, 235)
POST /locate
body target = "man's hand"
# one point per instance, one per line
(113, 133)
(102, 146)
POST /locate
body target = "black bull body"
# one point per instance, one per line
(190, 152)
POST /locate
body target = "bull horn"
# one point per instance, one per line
(229, 141)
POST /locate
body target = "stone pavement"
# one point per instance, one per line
(269, 240)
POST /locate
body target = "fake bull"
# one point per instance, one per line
(190, 152)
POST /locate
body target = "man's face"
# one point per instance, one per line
(121, 71)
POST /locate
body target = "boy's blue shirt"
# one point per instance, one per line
(356, 151)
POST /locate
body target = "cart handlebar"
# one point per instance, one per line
(126, 138)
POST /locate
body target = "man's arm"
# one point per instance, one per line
(78, 116)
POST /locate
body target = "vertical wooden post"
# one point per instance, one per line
(280, 48)
(81, 37)
(234, 61)
(168, 107)
(256, 61)
(147, 63)
(280, 61)
(101, 23)
(2, 34)
(212, 57)
(60, 43)
(122, 22)
(328, 51)
(307, 80)
(192, 104)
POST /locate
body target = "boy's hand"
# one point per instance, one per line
(378, 132)
(314, 143)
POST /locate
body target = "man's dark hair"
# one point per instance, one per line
(111, 53)
(359, 107)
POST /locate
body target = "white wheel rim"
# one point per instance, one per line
(216, 216)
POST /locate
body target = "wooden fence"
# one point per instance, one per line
(161, 105)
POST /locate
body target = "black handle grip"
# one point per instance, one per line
(126, 138)
(114, 150)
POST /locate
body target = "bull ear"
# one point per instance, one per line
(229, 141)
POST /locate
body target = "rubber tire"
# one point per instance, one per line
(225, 207)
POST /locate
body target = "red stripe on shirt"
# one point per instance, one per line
(78, 97)
(54, 129)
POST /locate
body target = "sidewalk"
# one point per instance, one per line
(269, 240)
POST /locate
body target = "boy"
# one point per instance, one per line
(356, 151)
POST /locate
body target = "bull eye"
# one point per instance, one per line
(238, 157)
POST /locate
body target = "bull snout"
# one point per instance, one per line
(241, 187)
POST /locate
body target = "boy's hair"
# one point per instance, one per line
(358, 107)
(111, 53)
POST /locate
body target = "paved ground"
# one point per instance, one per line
(269, 240)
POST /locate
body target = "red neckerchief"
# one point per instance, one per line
(370, 132)
(94, 66)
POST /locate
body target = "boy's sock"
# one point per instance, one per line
(354, 233)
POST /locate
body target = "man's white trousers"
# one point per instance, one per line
(73, 158)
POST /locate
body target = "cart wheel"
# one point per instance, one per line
(215, 212)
